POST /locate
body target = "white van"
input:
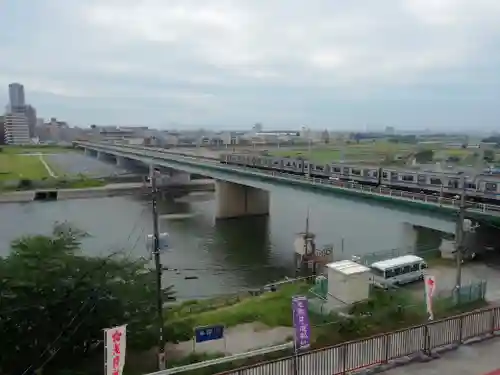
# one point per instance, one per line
(397, 271)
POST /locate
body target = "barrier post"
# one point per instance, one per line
(427, 341)
(461, 329)
(493, 315)
(387, 344)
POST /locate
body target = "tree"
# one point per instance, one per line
(55, 302)
(424, 156)
(489, 156)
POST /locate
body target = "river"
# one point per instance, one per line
(225, 256)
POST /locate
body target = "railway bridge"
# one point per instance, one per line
(242, 191)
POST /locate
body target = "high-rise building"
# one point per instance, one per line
(31, 117)
(16, 129)
(16, 97)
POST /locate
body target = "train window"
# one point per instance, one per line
(346, 171)
(436, 181)
(336, 169)
(490, 186)
(408, 177)
(422, 178)
(319, 168)
(453, 183)
(394, 175)
(384, 174)
(356, 172)
(470, 185)
(375, 174)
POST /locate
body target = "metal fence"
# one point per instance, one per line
(382, 349)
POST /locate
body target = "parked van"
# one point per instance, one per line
(398, 271)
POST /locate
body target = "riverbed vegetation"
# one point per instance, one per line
(37, 149)
(21, 168)
(55, 302)
(383, 151)
(270, 308)
(17, 166)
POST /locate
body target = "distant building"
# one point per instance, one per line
(16, 129)
(389, 130)
(2, 130)
(31, 116)
(16, 97)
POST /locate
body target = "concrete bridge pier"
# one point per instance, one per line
(122, 162)
(409, 236)
(235, 200)
(103, 156)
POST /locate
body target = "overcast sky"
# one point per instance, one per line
(339, 64)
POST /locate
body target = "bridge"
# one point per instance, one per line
(242, 191)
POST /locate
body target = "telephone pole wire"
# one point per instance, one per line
(159, 269)
(460, 234)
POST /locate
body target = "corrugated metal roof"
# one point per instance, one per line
(347, 267)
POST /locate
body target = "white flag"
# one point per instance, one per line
(115, 340)
(430, 287)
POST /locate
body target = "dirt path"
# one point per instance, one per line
(239, 339)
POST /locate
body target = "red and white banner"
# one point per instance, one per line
(115, 341)
(430, 288)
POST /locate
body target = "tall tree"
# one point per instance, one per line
(55, 302)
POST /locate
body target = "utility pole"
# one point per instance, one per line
(158, 266)
(459, 240)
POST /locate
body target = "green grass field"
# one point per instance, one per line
(367, 152)
(15, 167)
(35, 149)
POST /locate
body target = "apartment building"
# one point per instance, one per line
(16, 129)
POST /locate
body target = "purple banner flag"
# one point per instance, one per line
(301, 322)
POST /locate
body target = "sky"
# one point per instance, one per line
(335, 64)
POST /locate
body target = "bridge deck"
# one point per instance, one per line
(210, 167)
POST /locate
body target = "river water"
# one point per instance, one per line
(223, 256)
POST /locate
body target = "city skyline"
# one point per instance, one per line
(328, 64)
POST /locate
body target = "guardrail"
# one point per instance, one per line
(380, 191)
(418, 342)
(218, 361)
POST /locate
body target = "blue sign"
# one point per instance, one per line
(208, 333)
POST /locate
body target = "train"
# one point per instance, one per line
(483, 186)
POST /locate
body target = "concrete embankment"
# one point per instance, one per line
(111, 190)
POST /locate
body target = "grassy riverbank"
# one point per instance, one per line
(270, 308)
(22, 168)
(382, 312)
(17, 166)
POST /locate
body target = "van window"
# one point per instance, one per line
(378, 272)
(390, 273)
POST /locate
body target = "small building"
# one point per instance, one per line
(348, 282)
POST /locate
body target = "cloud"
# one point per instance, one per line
(231, 63)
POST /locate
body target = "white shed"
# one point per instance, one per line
(348, 281)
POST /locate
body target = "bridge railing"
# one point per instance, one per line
(398, 194)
